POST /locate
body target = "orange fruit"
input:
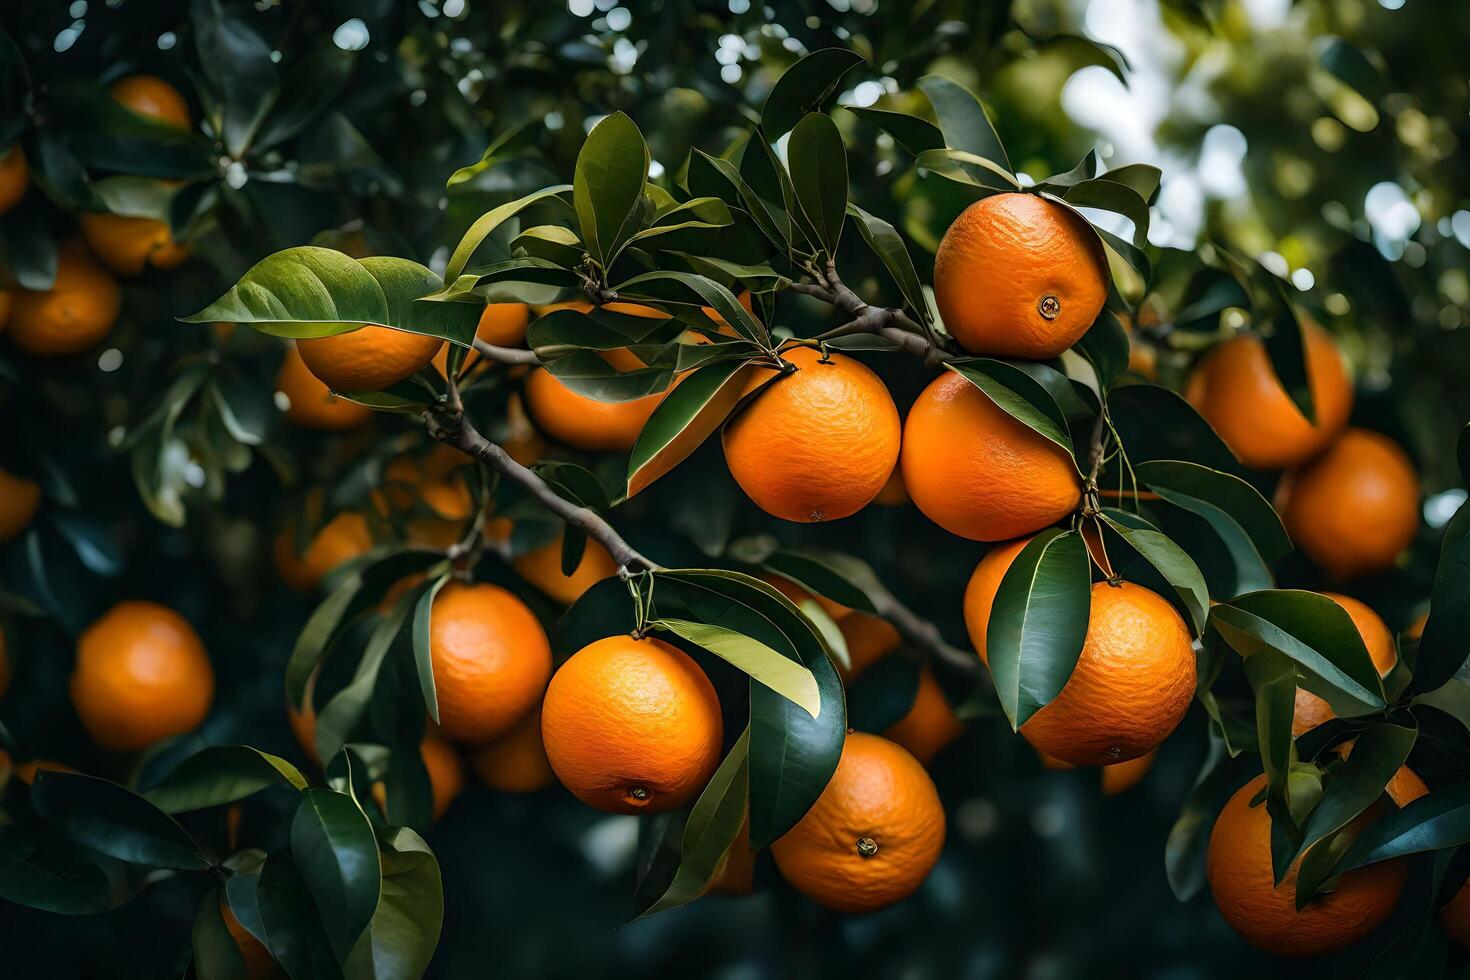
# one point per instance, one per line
(980, 592)
(310, 403)
(632, 726)
(1354, 508)
(15, 175)
(542, 568)
(1236, 390)
(490, 659)
(501, 325)
(19, 499)
(452, 505)
(516, 761)
(1403, 788)
(736, 873)
(1019, 276)
(1415, 630)
(150, 96)
(141, 675)
(1123, 776)
(1311, 710)
(74, 314)
(869, 639)
(259, 965)
(5, 302)
(894, 493)
(1132, 685)
(303, 722)
(340, 540)
(977, 472)
(1238, 866)
(817, 444)
(26, 771)
(586, 423)
(930, 724)
(128, 244)
(367, 358)
(798, 595)
(872, 836)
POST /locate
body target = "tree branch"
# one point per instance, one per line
(505, 355)
(923, 634)
(452, 428)
(887, 322)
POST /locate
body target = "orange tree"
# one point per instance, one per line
(539, 561)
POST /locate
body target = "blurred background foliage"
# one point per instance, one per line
(1325, 137)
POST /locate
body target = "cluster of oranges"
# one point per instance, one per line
(82, 304)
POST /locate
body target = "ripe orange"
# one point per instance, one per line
(368, 358)
(1239, 871)
(5, 301)
(341, 539)
(632, 726)
(490, 659)
(310, 403)
(542, 568)
(128, 244)
(141, 675)
(75, 313)
(446, 775)
(1019, 276)
(977, 472)
(894, 493)
(1311, 710)
(869, 639)
(15, 174)
(1123, 776)
(798, 595)
(19, 499)
(516, 761)
(1415, 630)
(501, 324)
(586, 423)
(258, 962)
(1236, 390)
(1132, 685)
(451, 504)
(930, 724)
(872, 836)
(817, 444)
(150, 96)
(1354, 508)
(980, 592)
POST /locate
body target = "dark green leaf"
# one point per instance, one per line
(1351, 66)
(108, 818)
(292, 923)
(66, 884)
(963, 120)
(332, 843)
(886, 243)
(608, 186)
(1439, 820)
(422, 655)
(818, 163)
(841, 578)
(1105, 345)
(221, 774)
(805, 87)
(684, 419)
(786, 677)
(215, 951)
(1444, 645)
(1174, 564)
(912, 133)
(1184, 852)
(1017, 393)
(404, 931)
(489, 221)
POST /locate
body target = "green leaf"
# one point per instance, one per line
(293, 926)
(1156, 423)
(593, 377)
(1016, 393)
(818, 163)
(339, 718)
(1351, 67)
(108, 818)
(685, 287)
(1184, 851)
(311, 85)
(1086, 51)
(883, 693)
(1287, 348)
(423, 658)
(508, 144)
(608, 186)
(1376, 756)
(66, 884)
(1105, 345)
(805, 87)
(1038, 622)
(221, 774)
(792, 754)
(135, 197)
(1237, 512)
(757, 209)
(841, 578)
(965, 167)
(332, 843)
(1173, 563)
(240, 75)
(786, 677)
(1444, 645)
(1106, 195)
(887, 244)
(686, 417)
(1273, 681)
(711, 828)
(756, 278)
(1439, 820)
(400, 940)
(484, 225)
(912, 133)
(564, 333)
(576, 483)
(215, 951)
(963, 120)
(1316, 633)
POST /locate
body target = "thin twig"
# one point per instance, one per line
(505, 355)
(923, 634)
(452, 428)
(890, 323)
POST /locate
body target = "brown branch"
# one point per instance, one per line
(889, 323)
(452, 428)
(505, 355)
(921, 633)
